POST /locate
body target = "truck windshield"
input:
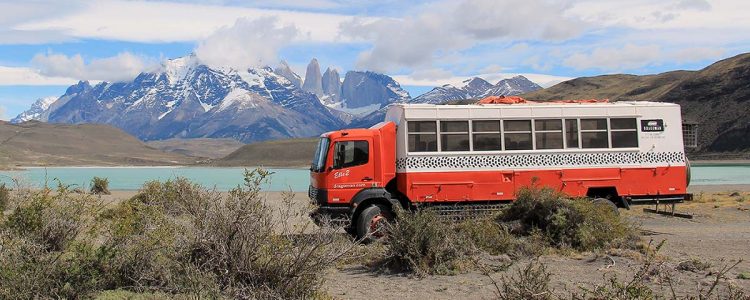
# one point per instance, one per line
(319, 160)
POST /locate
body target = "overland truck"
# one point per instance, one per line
(474, 158)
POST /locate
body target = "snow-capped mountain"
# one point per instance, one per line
(37, 110)
(471, 88)
(477, 88)
(184, 98)
(512, 86)
(187, 99)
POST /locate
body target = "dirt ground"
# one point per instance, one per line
(719, 234)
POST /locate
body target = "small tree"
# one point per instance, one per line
(100, 186)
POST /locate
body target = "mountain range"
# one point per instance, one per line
(478, 88)
(186, 99)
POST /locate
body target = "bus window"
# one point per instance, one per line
(454, 136)
(517, 134)
(548, 134)
(487, 135)
(594, 133)
(624, 132)
(571, 133)
(422, 136)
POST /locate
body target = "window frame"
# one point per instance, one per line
(561, 131)
(581, 131)
(440, 134)
(634, 129)
(436, 133)
(566, 147)
(343, 164)
(499, 131)
(530, 132)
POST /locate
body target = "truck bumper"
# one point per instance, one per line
(335, 215)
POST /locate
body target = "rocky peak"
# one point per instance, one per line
(79, 87)
(332, 85)
(313, 79)
(515, 85)
(475, 86)
(369, 89)
(285, 71)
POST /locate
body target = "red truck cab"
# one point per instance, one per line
(354, 169)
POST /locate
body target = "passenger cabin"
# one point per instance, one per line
(456, 153)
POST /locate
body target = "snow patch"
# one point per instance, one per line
(238, 97)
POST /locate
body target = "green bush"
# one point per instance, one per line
(45, 248)
(419, 243)
(100, 186)
(568, 223)
(173, 238)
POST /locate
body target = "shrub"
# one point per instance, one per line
(178, 237)
(420, 243)
(530, 282)
(52, 220)
(44, 253)
(4, 198)
(100, 186)
(575, 223)
(693, 265)
(173, 239)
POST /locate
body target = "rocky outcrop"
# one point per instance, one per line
(285, 71)
(331, 85)
(313, 79)
(362, 89)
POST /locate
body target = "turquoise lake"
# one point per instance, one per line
(223, 179)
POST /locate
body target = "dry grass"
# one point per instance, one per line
(174, 238)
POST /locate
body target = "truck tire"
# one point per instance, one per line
(606, 202)
(371, 223)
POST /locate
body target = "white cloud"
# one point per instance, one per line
(28, 76)
(123, 66)
(672, 14)
(625, 58)
(694, 54)
(247, 43)
(418, 41)
(154, 21)
(633, 56)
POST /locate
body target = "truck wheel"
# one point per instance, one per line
(607, 203)
(371, 224)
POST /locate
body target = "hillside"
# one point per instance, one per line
(200, 147)
(717, 97)
(41, 144)
(281, 153)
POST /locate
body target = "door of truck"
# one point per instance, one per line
(352, 168)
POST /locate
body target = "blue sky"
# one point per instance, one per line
(47, 45)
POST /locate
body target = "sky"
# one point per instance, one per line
(45, 46)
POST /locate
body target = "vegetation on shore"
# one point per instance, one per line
(177, 239)
(173, 238)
